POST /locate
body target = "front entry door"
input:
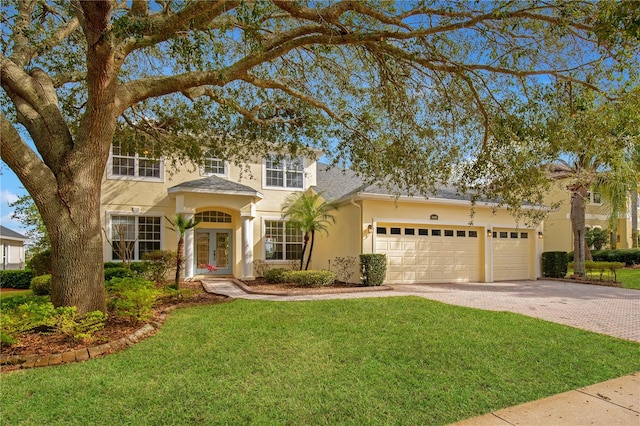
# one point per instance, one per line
(213, 247)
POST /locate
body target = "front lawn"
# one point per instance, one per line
(362, 361)
(630, 278)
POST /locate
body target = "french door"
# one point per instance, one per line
(213, 247)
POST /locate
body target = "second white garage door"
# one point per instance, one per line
(427, 254)
(511, 254)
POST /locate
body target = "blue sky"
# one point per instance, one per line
(10, 189)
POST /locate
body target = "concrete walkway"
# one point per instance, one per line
(608, 310)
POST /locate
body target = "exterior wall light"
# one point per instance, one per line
(369, 229)
(489, 233)
(540, 235)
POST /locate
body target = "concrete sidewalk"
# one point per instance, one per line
(614, 402)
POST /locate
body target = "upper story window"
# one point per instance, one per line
(594, 197)
(284, 173)
(211, 165)
(126, 163)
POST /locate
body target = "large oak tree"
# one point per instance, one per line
(401, 91)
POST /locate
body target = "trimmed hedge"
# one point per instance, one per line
(16, 278)
(591, 266)
(276, 275)
(627, 256)
(313, 278)
(554, 264)
(41, 285)
(373, 268)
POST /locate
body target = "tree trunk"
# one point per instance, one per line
(613, 235)
(634, 218)
(73, 224)
(578, 197)
(179, 261)
(313, 237)
(304, 249)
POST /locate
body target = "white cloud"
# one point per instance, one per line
(8, 196)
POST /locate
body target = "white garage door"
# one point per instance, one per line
(421, 254)
(511, 254)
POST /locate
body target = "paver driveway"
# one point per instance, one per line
(608, 310)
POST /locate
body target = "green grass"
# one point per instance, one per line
(4, 294)
(362, 361)
(630, 278)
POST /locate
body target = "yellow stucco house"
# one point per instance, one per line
(425, 240)
(558, 235)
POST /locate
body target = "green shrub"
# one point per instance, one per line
(18, 278)
(627, 256)
(276, 275)
(78, 327)
(132, 298)
(118, 272)
(38, 313)
(596, 238)
(138, 268)
(34, 313)
(554, 264)
(373, 268)
(311, 278)
(41, 285)
(12, 302)
(158, 263)
(108, 265)
(41, 263)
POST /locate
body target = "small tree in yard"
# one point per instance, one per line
(309, 213)
(181, 225)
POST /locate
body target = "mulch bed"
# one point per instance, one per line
(261, 286)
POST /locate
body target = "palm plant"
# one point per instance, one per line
(594, 137)
(309, 213)
(181, 225)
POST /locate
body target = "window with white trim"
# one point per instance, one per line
(133, 236)
(282, 241)
(212, 165)
(128, 163)
(284, 173)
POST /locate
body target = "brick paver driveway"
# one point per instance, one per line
(608, 310)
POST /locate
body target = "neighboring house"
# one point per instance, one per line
(557, 226)
(426, 240)
(12, 244)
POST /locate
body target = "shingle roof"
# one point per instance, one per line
(335, 183)
(11, 234)
(215, 185)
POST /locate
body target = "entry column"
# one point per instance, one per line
(247, 246)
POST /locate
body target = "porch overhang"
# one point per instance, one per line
(215, 185)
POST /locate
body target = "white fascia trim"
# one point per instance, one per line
(434, 200)
(208, 191)
(13, 238)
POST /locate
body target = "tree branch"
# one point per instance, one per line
(34, 175)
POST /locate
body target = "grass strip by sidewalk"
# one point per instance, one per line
(362, 361)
